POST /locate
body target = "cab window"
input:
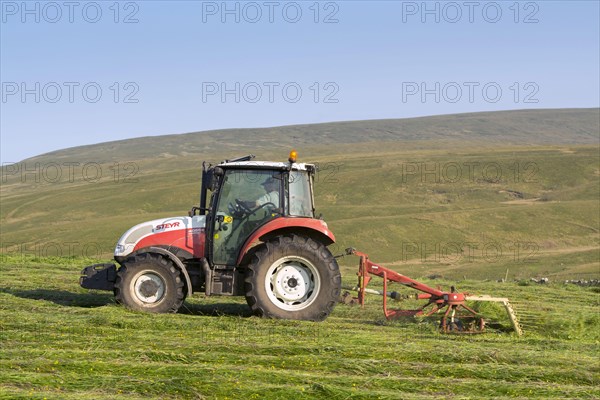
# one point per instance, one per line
(300, 195)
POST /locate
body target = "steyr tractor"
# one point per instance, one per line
(257, 238)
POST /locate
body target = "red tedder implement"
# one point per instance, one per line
(457, 317)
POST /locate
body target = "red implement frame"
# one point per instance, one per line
(437, 298)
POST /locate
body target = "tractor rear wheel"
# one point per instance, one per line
(293, 277)
(151, 283)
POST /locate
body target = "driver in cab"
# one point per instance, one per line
(271, 186)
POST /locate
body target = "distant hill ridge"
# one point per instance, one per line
(515, 127)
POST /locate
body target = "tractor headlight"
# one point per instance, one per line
(119, 249)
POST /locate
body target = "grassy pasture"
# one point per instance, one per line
(463, 200)
(62, 342)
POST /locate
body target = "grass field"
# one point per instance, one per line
(60, 341)
(470, 199)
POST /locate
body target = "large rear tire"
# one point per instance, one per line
(293, 277)
(151, 283)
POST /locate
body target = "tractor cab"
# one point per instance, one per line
(246, 195)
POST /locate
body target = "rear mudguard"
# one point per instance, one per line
(313, 228)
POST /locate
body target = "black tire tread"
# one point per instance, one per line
(136, 261)
(326, 261)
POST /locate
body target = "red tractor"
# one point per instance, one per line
(258, 238)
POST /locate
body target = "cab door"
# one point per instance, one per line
(240, 210)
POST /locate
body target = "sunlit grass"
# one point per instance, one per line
(60, 341)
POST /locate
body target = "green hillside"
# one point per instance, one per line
(457, 195)
(506, 128)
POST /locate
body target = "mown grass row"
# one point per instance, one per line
(60, 341)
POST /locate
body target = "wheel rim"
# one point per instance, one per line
(292, 283)
(148, 287)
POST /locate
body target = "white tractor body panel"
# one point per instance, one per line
(134, 235)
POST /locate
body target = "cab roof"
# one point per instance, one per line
(267, 165)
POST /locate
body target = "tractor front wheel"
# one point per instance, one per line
(151, 283)
(293, 277)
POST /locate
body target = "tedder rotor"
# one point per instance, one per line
(457, 316)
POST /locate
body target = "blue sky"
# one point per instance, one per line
(87, 72)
